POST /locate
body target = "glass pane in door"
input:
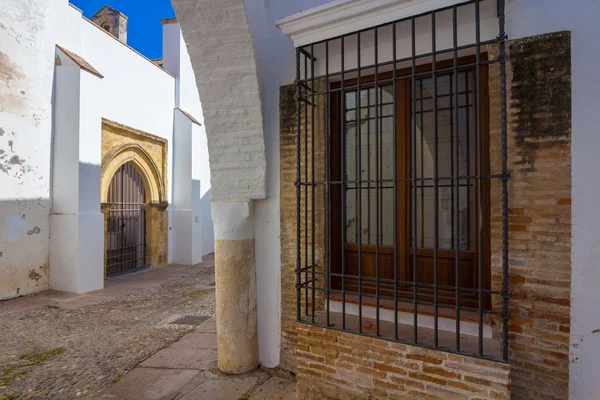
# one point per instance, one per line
(454, 147)
(369, 160)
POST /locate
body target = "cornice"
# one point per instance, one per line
(346, 16)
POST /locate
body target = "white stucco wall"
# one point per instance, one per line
(133, 92)
(51, 226)
(26, 60)
(194, 197)
(276, 66)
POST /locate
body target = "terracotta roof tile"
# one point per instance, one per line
(80, 61)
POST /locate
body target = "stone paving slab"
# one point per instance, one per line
(153, 383)
(197, 351)
(183, 358)
(275, 388)
(196, 341)
(229, 388)
(210, 326)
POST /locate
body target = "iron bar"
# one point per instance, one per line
(504, 149)
(435, 183)
(312, 189)
(359, 174)
(395, 195)
(307, 55)
(413, 208)
(457, 181)
(343, 177)
(424, 55)
(298, 192)
(440, 71)
(479, 186)
(409, 298)
(377, 178)
(306, 188)
(327, 179)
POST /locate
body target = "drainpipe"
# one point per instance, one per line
(235, 284)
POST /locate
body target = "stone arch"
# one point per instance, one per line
(229, 92)
(149, 172)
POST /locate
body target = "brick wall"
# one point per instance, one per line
(539, 160)
(287, 193)
(341, 365)
(222, 54)
(288, 127)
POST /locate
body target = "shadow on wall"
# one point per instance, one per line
(208, 234)
(24, 248)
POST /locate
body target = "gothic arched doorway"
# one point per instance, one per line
(126, 222)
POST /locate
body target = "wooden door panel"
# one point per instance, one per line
(446, 272)
(369, 261)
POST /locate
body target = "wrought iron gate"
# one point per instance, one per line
(126, 227)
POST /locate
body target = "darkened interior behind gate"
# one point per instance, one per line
(126, 224)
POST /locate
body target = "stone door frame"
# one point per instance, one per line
(148, 153)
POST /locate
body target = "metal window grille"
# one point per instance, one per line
(394, 181)
(126, 222)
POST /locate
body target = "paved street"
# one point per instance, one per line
(187, 371)
(148, 336)
(65, 346)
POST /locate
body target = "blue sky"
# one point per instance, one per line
(144, 32)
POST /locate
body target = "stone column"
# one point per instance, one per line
(235, 281)
(157, 226)
(105, 208)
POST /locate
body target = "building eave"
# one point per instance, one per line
(346, 16)
(167, 21)
(126, 45)
(80, 61)
(189, 116)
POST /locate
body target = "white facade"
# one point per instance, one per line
(276, 67)
(51, 227)
(26, 80)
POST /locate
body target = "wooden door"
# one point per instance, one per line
(389, 150)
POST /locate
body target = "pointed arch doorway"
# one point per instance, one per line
(126, 221)
(133, 198)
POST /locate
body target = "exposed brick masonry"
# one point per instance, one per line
(288, 126)
(340, 365)
(287, 140)
(539, 160)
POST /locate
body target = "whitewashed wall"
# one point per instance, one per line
(26, 64)
(133, 92)
(192, 226)
(50, 220)
(276, 66)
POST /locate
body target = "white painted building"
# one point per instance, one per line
(63, 80)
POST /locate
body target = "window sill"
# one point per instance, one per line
(469, 321)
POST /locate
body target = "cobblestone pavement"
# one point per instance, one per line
(63, 346)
